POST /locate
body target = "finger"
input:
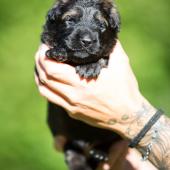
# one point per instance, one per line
(58, 71)
(72, 96)
(50, 69)
(37, 80)
(51, 96)
(64, 90)
(39, 69)
(41, 51)
(57, 99)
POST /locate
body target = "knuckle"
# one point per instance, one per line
(73, 116)
(50, 71)
(76, 100)
(73, 112)
(43, 79)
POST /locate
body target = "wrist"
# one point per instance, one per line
(140, 114)
(141, 117)
(132, 117)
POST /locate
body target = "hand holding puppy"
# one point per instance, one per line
(112, 101)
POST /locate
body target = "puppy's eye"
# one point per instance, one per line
(101, 22)
(103, 27)
(70, 19)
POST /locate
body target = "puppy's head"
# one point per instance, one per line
(88, 27)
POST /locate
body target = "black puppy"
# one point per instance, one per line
(81, 33)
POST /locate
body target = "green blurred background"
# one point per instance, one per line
(25, 141)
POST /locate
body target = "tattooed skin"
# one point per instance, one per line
(160, 152)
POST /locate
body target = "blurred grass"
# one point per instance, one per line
(25, 141)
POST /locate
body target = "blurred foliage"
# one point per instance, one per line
(25, 141)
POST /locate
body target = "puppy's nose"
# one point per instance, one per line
(86, 41)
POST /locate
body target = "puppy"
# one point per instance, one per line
(81, 33)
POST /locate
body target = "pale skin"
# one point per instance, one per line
(113, 101)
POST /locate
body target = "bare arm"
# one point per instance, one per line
(160, 153)
(113, 101)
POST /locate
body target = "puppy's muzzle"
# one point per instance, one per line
(86, 41)
(82, 39)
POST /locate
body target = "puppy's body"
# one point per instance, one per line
(86, 146)
(81, 33)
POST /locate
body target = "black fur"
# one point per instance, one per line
(82, 38)
(81, 33)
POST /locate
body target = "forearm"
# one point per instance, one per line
(160, 152)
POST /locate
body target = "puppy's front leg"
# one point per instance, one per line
(59, 54)
(91, 70)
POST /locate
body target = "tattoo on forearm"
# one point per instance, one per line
(160, 153)
(139, 119)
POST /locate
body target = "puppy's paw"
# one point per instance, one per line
(58, 54)
(76, 161)
(91, 70)
(98, 156)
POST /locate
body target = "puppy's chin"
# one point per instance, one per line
(83, 57)
(81, 54)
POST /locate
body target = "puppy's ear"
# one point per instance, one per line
(54, 13)
(114, 19)
(112, 14)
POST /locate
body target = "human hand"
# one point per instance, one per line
(112, 101)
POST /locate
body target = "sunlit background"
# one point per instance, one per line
(25, 141)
